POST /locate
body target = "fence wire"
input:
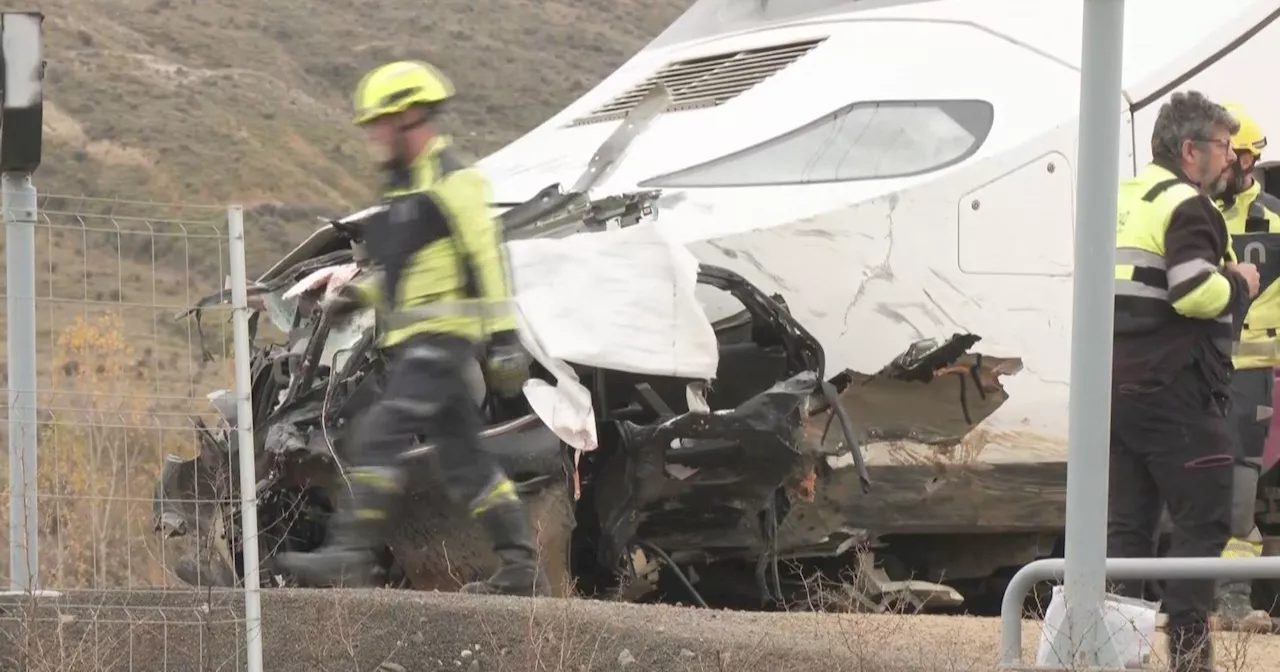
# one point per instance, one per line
(123, 383)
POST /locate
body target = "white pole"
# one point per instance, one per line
(22, 93)
(19, 204)
(1089, 429)
(244, 429)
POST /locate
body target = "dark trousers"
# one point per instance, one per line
(1172, 444)
(427, 396)
(1251, 398)
(1252, 391)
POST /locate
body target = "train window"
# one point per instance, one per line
(863, 141)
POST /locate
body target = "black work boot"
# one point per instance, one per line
(348, 556)
(1235, 609)
(520, 572)
(1235, 598)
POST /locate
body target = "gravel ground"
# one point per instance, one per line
(401, 631)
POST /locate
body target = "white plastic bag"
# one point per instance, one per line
(1130, 623)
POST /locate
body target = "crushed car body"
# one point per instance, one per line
(651, 442)
(713, 450)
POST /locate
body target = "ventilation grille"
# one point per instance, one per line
(707, 81)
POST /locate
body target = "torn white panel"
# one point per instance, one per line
(565, 408)
(329, 277)
(695, 397)
(621, 300)
(562, 410)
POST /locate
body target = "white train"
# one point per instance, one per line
(902, 170)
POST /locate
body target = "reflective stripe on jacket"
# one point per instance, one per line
(444, 267)
(1153, 287)
(1254, 225)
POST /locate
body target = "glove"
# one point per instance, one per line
(342, 303)
(507, 364)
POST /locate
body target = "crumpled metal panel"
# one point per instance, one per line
(728, 465)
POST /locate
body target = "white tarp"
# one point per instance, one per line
(622, 300)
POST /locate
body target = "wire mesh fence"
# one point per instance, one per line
(123, 385)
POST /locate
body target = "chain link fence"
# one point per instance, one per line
(108, 382)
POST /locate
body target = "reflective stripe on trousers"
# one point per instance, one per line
(1240, 548)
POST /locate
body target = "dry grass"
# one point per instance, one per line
(102, 440)
(402, 631)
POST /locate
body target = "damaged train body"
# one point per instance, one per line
(890, 196)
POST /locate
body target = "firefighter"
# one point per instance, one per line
(443, 298)
(1177, 298)
(1252, 219)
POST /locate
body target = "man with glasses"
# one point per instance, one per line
(1178, 302)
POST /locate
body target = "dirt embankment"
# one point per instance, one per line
(400, 631)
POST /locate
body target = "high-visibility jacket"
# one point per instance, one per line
(1254, 225)
(1156, 290)
(444, 267)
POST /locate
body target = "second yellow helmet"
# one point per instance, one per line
(1250, 137)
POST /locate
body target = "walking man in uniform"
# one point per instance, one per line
(1252, 220)
(1176, 300)
(444, 299)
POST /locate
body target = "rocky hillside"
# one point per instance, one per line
(246, 101)
(204, 101)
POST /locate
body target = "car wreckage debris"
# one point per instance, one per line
(694, 473)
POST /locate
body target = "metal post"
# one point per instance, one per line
(1118, 568)
(19, 205)
(1089, 428)
(244, 429)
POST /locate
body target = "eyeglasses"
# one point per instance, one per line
(1225, 145)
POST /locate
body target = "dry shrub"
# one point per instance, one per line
(105, 428)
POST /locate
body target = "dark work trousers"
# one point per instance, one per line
(1174, 444)
(1252, 391)
(427, 395)
(1251, 397)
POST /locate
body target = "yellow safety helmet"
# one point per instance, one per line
(394, 87)
(1250, 137)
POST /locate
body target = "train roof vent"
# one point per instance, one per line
(706, 81)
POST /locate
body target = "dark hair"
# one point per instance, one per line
(1187, 116)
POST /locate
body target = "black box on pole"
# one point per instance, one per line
(22, 91)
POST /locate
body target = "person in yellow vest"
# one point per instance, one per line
(444, 302)
(1251, 215)
(1177, 299)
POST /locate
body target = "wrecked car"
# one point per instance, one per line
(756, 462)
(663, 456)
